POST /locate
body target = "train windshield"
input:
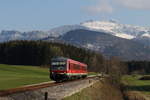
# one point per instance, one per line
(58, 65)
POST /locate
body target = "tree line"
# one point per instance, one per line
(138, 67)
(39, 53)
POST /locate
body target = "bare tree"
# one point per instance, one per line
(116, 69)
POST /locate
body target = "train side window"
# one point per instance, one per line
(76, 67)
(71, 65)
(84, 67)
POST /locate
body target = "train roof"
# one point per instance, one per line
(77, 62)
(59, 58)
(65, 59)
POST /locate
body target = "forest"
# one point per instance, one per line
(39, 53)
(138, 67)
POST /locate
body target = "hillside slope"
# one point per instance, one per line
(107, 44)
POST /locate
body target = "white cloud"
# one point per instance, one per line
(105, 7)
(102, 6)
(135, 4)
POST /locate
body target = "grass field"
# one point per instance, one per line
(92, 73)
(12, 76)
(133, 83)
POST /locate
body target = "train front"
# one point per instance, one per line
(58, 69)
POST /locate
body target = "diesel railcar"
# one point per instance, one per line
(62, 69)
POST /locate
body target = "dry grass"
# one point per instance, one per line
(136, 87)
(135, 95)
(99, 91)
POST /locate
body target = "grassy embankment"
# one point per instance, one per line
(136, 86)
(12, 76)
(102, 90)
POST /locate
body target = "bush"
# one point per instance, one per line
(145, 78)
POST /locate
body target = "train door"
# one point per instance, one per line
(69, 67)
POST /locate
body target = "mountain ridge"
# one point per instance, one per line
(107, 44)
(127, 34)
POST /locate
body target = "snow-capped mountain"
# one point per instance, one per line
(59, 31)
(108, 37)
(37, 35)
(146, 35)
(119, 30)
(10, 35)
(16, 35)
(136, 33)
(110, 27)
(131, 32)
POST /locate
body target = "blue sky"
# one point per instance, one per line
(26, 15)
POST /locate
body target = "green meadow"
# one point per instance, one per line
(12, 76)
(133, 83)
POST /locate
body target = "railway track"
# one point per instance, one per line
(36, 86)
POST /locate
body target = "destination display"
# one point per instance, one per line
(58, 63)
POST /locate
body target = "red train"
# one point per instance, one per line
(65, 69)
